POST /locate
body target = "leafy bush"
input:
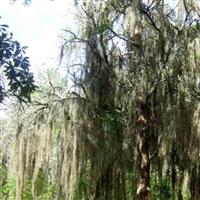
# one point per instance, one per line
(161, 190)
(8, 189)
(44, 189)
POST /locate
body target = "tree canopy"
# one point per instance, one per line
(16, 78)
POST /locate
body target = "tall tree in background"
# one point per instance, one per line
(157, 42)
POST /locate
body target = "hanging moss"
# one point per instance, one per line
(133, 114)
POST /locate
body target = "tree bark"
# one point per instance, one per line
(143, 148)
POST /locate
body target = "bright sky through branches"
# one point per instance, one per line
(38, 26)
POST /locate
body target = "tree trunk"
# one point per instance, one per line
(143, 148)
